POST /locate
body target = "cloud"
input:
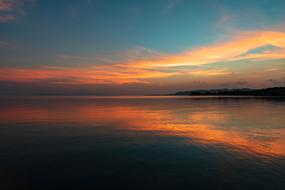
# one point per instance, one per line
(238, 48)
(87, 75)
(171, 4)
(7, 18)
(9, 5)
(98, 58)
(11, 10)
(142, 65)
(211, 72)
(231, 50)
(134, 54)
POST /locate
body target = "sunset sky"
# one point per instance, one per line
(136, 47)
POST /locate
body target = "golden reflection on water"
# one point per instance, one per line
(253, 129)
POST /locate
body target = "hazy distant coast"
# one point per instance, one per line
(276, 91)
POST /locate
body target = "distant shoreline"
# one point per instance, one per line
(238, 92)
(266, 92)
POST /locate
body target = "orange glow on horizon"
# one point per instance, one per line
(159, 66)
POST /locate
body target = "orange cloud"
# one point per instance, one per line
(88, 75)
(231, 50)
(141, 65)
(215, 72)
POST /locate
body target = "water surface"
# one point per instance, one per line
(142, 143)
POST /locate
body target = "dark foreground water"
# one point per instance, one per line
(142, 143)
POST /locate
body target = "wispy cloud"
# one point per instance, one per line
(142, 65)
(134, 54)
(211, 72)
(234, 49)
(8, 5)
(11, 10)
(170, 4)
(87, 75)
(7, 18)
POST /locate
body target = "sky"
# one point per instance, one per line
(138, 47)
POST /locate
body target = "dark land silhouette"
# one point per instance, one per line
(276, 91)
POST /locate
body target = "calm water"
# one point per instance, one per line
(142, 143)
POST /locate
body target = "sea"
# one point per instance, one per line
(142, 142)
